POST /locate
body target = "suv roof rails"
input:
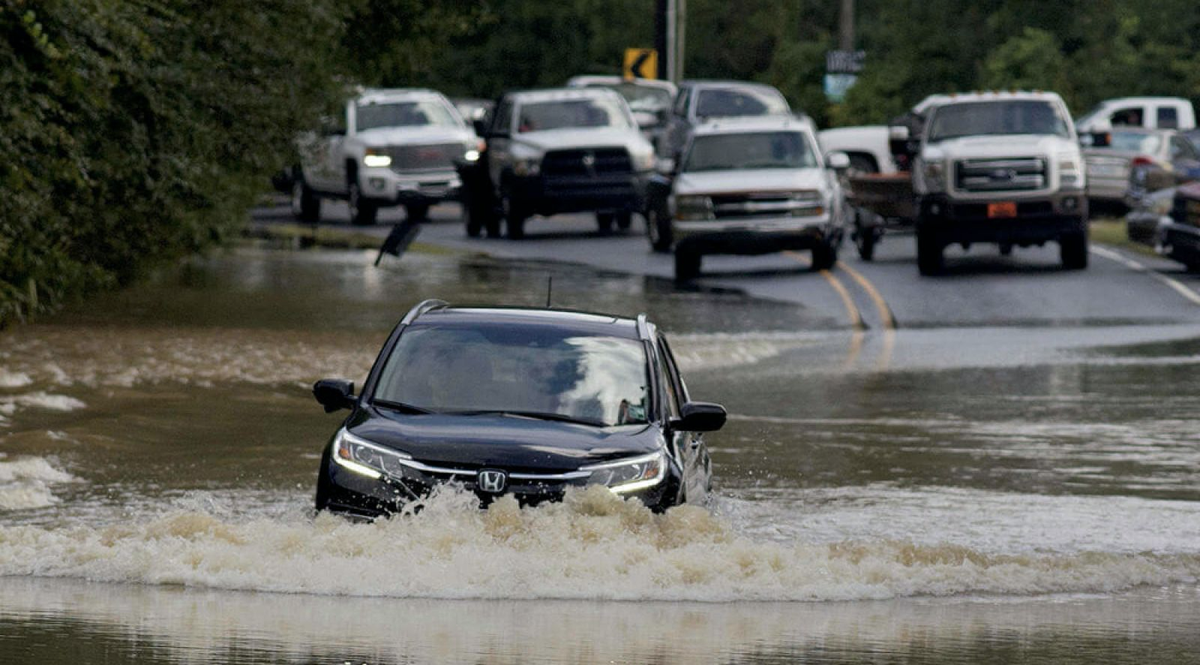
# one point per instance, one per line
(422, 307)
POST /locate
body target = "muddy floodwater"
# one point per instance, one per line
(969, 495)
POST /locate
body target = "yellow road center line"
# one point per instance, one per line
(1135, 266)
(856, 320)
(885, 312)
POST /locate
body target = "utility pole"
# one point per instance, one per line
(672, 35)
(680, 39)
(660, 39)
(846, 27)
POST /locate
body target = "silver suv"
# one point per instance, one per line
(749, 186)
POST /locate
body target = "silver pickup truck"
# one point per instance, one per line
(392, 147)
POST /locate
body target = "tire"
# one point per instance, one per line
(362, 211)
(824, 257)
(321, 500)
(1073, 249)
(514, 218)
(306, 204)
(624, 221)
(687, 266)
(929, 253)
(417, 211)
(658, 230)
(472, 221)
(605, 221)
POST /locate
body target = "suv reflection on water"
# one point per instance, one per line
(525, 402)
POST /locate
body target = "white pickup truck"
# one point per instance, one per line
(395, 147)
(998, 167)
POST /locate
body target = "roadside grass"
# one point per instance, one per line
(299, 236)
(1111, 231)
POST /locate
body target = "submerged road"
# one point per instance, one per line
(981, 287)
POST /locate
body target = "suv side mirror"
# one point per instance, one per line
(334, 394)
(481, 127)
(700, 417)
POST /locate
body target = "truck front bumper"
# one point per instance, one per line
(1038, 219)
(540, 195)
(755, 236)
(386, 186)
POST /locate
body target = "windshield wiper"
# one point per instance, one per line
(539, 415)
(400, 406)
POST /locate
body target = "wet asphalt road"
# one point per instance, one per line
(981, 288)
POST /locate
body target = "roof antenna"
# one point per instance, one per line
(549, 289)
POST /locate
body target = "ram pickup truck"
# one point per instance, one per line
(1002, 168)
(559, 151)
(394, 147)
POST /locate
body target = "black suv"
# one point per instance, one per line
(525, 402)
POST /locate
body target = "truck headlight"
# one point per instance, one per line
(631, 474)
(366, 458)
(935, 177)
(528, 166)
(374, 159)
(693, 207)
(1070, 173)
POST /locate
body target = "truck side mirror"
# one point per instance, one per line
(837, 160)
(334, 394)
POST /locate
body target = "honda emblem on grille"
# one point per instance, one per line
(491, 481)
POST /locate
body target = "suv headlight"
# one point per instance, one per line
(631, 474)
(366, 458)
(935, 176)
(693, 207)
(473, 150)
(807, 204)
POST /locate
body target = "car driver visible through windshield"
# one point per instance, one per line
(517, 370)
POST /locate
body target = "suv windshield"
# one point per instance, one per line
(758, 150)
(569, 113)
(402, 114)
(525, 370)
(997, 118)
(728, 103)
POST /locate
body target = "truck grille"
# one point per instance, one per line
(434, 157)
(586, 162)
(765, 204)
(1000, 175)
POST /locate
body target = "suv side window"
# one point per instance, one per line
(670, 391)
(1168, 117)
(681, 392)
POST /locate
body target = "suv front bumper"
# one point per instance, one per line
(1038, 219)
(755, 236)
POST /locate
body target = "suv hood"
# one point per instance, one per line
(589, 137)
(756, 180)
(1013, 145)
(508, 442)
(385, 136)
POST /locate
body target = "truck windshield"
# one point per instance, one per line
(519, 369)
(997, 118)
(757, 150)
(403, 114)
(572, 113)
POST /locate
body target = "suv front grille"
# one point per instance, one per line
(1000, 175)
(586, 162)
(434, 157)
(765, 204)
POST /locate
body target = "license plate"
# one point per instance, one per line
(1001, 210)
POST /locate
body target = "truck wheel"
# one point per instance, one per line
(472, 220)
(624, 220)
(687, 266)
(306, 204)
(824, 257)
(658, 230)
(417, 212)
(362, 211)
(929, 253)
(1074, 251)
(604, 222)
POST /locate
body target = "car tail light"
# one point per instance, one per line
(1142, 160)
